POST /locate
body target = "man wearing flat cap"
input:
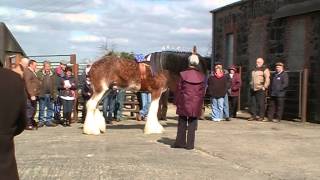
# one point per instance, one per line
(260, 81)
(279, 84)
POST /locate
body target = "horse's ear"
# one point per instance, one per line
(194, 50)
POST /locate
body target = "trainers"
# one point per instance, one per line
(266, 120)
(50, 124)
(40, 124)
(29, 127)
(138, 117)
(252, 119)
(260, 119)
(276, 120)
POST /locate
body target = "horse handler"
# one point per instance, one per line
(189, 100)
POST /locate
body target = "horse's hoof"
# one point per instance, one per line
(102, 131)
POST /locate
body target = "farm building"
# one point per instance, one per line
(9, 46)
(277, 30)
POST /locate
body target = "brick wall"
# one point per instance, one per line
(314, 60)
(257, 34)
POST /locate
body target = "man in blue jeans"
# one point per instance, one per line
(46, 96)
(143, 61)
(226, 108)
(119, 104)
(145, 103)
(226, 111)
(109, 102)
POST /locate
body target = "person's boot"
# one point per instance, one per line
(64, 121)
(252, 118)
(35, 124)
(57, 118)
(109, 121)
(68, 119)
(138, 117)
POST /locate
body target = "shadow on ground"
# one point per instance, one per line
(172, 117)
(166, 141)
(125, 126)
(136, 126)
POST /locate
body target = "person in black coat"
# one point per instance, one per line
(109, 102)
(13, 120)
(279, 84)
(67, 88)
(217, 88)
(86, 91)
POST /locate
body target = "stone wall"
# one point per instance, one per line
(314, 79)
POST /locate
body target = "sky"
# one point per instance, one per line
(88, 27)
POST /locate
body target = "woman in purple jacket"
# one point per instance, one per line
(234, 90)
(189, 99)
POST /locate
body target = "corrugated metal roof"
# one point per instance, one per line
(297, 9)
(8, 43)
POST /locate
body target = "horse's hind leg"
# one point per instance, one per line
(94, 122)
(152, 125)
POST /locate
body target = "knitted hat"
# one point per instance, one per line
(233, 67)
(217, 63)
(279, 64)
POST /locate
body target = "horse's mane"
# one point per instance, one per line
(175, 61)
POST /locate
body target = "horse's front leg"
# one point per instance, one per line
(152, 125)
(94, 123)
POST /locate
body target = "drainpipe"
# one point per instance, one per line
(213, 41)
(304, 94)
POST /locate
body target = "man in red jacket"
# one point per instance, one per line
(189, 100)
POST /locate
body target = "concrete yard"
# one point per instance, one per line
(224, 150)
